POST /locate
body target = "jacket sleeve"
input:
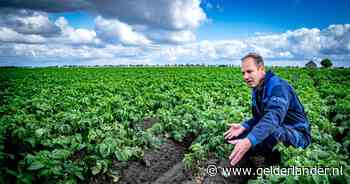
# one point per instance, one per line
(274, 113)
(249, 123)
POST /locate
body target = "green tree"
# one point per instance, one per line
(326, 63)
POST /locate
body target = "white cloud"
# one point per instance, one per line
(161, 21)
(304, 42)
(114, 31)
(69, 35)
(131, 23)
(35, 27)
(335, 40)
(120, 39)
(186, 14)
(230, 49)
(307, 43)
(9, 35)
(165, 14)
(299, 43)
(27, 22)
(182, 36)
(170, 37)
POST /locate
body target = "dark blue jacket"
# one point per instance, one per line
(275, 104)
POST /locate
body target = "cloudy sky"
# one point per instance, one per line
(112, 32)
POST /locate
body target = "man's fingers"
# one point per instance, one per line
(227, 132)
(236, 158)
(234, 141)
(234, 152)
(227, 136)
(233, 134)
(230, 135)
(242, 146)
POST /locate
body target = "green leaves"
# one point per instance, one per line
(122, 155)
(60, 154)
(71, 123)
(125, 153)
(101, 166)
(39, 132)
(36, 165)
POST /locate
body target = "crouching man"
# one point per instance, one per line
(278, 115)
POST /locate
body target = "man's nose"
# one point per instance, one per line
(245, 76)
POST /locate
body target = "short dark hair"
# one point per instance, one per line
(259, 61)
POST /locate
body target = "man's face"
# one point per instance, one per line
(252, 74)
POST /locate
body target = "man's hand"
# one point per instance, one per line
(234, 131)
(241, 148)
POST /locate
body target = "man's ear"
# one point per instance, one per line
(261, 68)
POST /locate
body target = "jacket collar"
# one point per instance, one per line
(268, 76)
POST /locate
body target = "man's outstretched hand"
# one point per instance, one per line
(234, 131)
(241, 148)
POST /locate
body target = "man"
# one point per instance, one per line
(278, 115)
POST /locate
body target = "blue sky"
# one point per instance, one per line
(173, 32)
(242, 18)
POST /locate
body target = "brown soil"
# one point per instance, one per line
(148, 122)
(157, 165)
(163, 165)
